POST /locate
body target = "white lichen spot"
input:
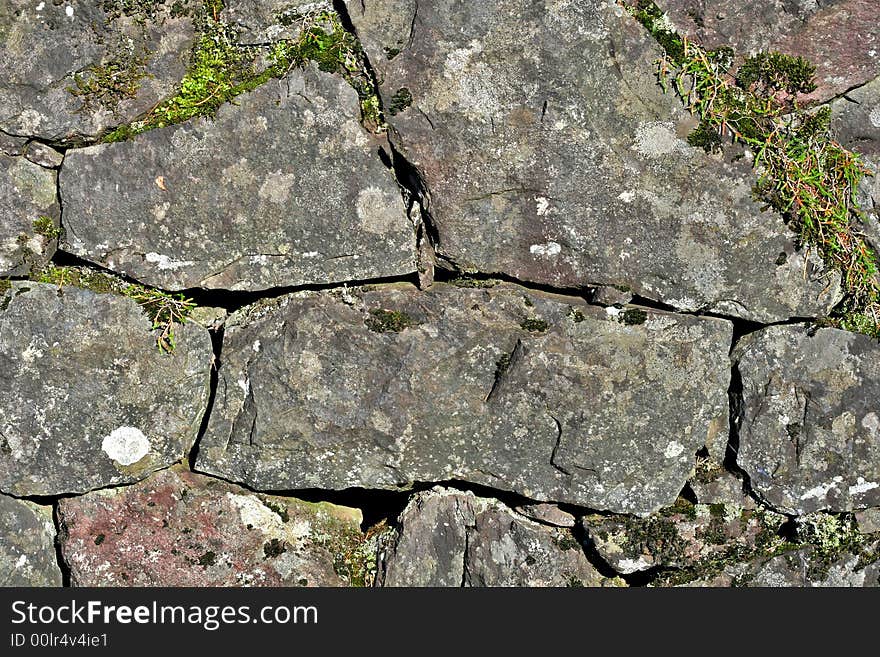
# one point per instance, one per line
(655, 139)
(126, 445)
(820, 491)
(69, 11)
(673, 449)
(22, 561)
(165, 262)
(543, 205)
(277, 187)
(862, 486)
(376, 208)
(546, 250)
(41, 6)
(627, 197)
(874, 117)
(629, 566)
(256, 346)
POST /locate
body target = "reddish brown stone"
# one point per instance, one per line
(182, 529)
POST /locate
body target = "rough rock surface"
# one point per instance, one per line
(27, 545)
(856, 119)
(265, 21)
(28, 215)
(842, 37)
(550, 153)
(798, 568)
(56, 58)
(541, 394)
(284, 187)
(89, 399)
(682, 536)
(810, 418)
(450, 538)
(180, 529)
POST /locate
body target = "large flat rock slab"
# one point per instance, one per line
(284, 187)
(551, 154)
(89, 400)
(71, 70)
(29, 214)
(383, 386)
(810, 418)
(181, 529)
(450, 538)
(27, 544)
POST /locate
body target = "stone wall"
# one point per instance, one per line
(396, 293)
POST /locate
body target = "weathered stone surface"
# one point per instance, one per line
(810, 418)
(45, 156)
(841, 37)
(27, 545)
(451, 538)
(383, 386)
(799, 568)
(181, 529)
(89, 399)
(855, 119)
(573, 170)
(284, 187)
(868, 520)
(682, 536)
(549, 514)
(264, 21)
(45, 48)
(27, 194)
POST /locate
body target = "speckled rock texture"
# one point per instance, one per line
(28, 215)
(180, 529)
(549, 152)
(535, 393)
(226, 204)
(27, 544)
(90, 400)
(52, 54)
(810, 418)
(450, 538)
(392, 293)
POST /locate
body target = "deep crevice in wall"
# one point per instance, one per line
(60, 532)
(217, 348)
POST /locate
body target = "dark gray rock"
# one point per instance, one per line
(265, 21)
(383, 386)
(450, 538)
(72, 70)
(284, 187)
(177, 528)
(28, 216)
(855, 119)
(550, 153)
(27, 545)
(810, 418)
(90, 400)
(841, 37)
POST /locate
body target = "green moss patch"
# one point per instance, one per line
(221, 69)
